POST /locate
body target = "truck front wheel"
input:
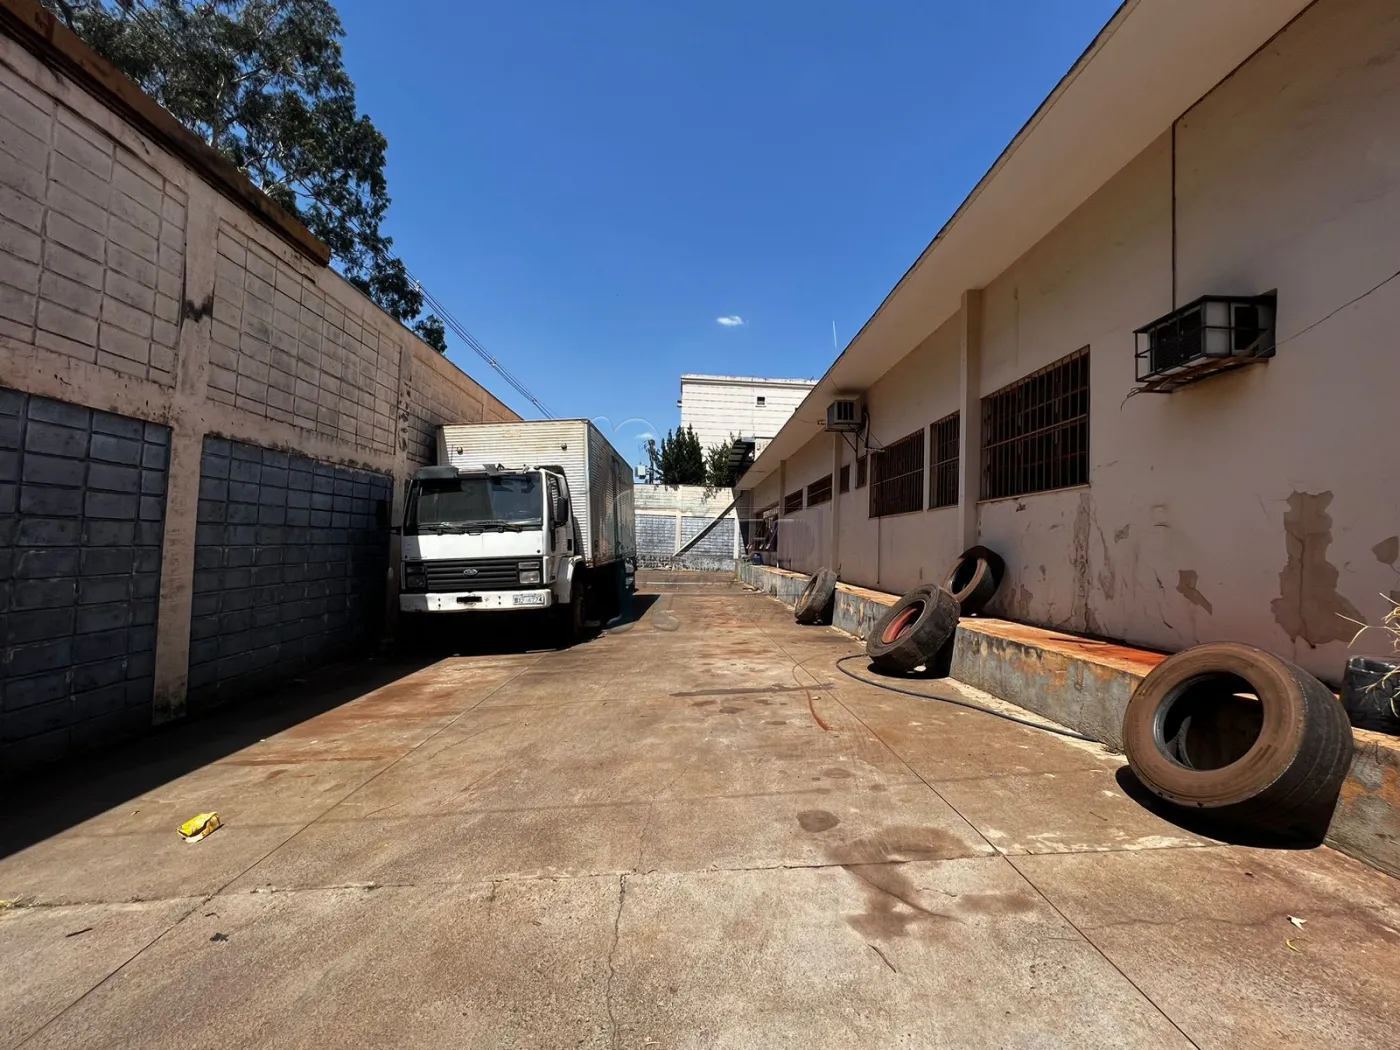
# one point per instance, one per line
(570, 622)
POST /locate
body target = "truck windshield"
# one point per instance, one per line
(502, 500)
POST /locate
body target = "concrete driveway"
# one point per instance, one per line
(692, 832)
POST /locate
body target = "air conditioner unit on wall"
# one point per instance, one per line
(845, 415)
(1213, 334)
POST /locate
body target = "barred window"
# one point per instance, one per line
(944, 439)
(819, 491)
(1035, 432)
(792, 502)
(898, 482)
(845, 477)
(860, 471)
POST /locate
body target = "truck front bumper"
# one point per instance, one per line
(477, 601)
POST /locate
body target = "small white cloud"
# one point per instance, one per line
(730, 320)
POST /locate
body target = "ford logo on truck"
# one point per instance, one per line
(470, 572)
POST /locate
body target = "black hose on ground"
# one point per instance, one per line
(959, 703)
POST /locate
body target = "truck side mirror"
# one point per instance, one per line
(561, 509)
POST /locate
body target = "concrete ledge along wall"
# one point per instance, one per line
(198, 419)
(1086, 684)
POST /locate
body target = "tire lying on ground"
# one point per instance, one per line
(815, 603)
(974, 578)
(914, 629)
(1231, 730)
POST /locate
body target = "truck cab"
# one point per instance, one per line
(491, 539)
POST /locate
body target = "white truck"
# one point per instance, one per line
(520, 517)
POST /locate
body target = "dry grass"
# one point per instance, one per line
(1391, 626)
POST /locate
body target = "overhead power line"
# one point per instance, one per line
(460, 331)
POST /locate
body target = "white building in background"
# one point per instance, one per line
(742, 406)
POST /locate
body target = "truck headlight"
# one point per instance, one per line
(529, 572)
(415, 576)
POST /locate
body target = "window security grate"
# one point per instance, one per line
(944, 439)
(1035, 432)
(898, 483)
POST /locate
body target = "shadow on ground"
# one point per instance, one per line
(477, 634)
(1307, 833)
(67, 793)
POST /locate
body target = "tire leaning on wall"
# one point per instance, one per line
(974, 578)
(914, 629)
(815, 603)
(1240, 734)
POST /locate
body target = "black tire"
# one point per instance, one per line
(818, 600)
(1239, 733)
(913, 631)
(974, 579)
(570, 624)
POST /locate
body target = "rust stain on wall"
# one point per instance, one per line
(1079, 558)
(1309, 606)
(1024, 598)
(1387, 552)
(1186, 587)
(1108, 579)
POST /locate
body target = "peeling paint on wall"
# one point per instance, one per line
(1119, 535)
(1186, 587)
(1309, 606)
(1387, 552)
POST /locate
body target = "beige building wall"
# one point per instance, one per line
(898, 551)
(720, 406)
(1258, 505)
(129, 284)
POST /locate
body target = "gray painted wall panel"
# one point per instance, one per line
(290, 565)
(82, 497)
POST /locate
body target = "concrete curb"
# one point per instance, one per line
(1085, 684)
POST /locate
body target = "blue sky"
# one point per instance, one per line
(589, 187)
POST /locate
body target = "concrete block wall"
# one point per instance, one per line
(720, 541)
(81, 522)
(282, 349)
(91, 241)
(139, 294)
(290, 566)
(669, 515)
(438, 390)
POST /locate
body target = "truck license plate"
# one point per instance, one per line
(527, 599)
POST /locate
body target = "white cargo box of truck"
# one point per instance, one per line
(600, 480)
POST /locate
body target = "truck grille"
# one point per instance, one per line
(473, 574)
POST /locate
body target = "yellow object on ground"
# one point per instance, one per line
(200, 827)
